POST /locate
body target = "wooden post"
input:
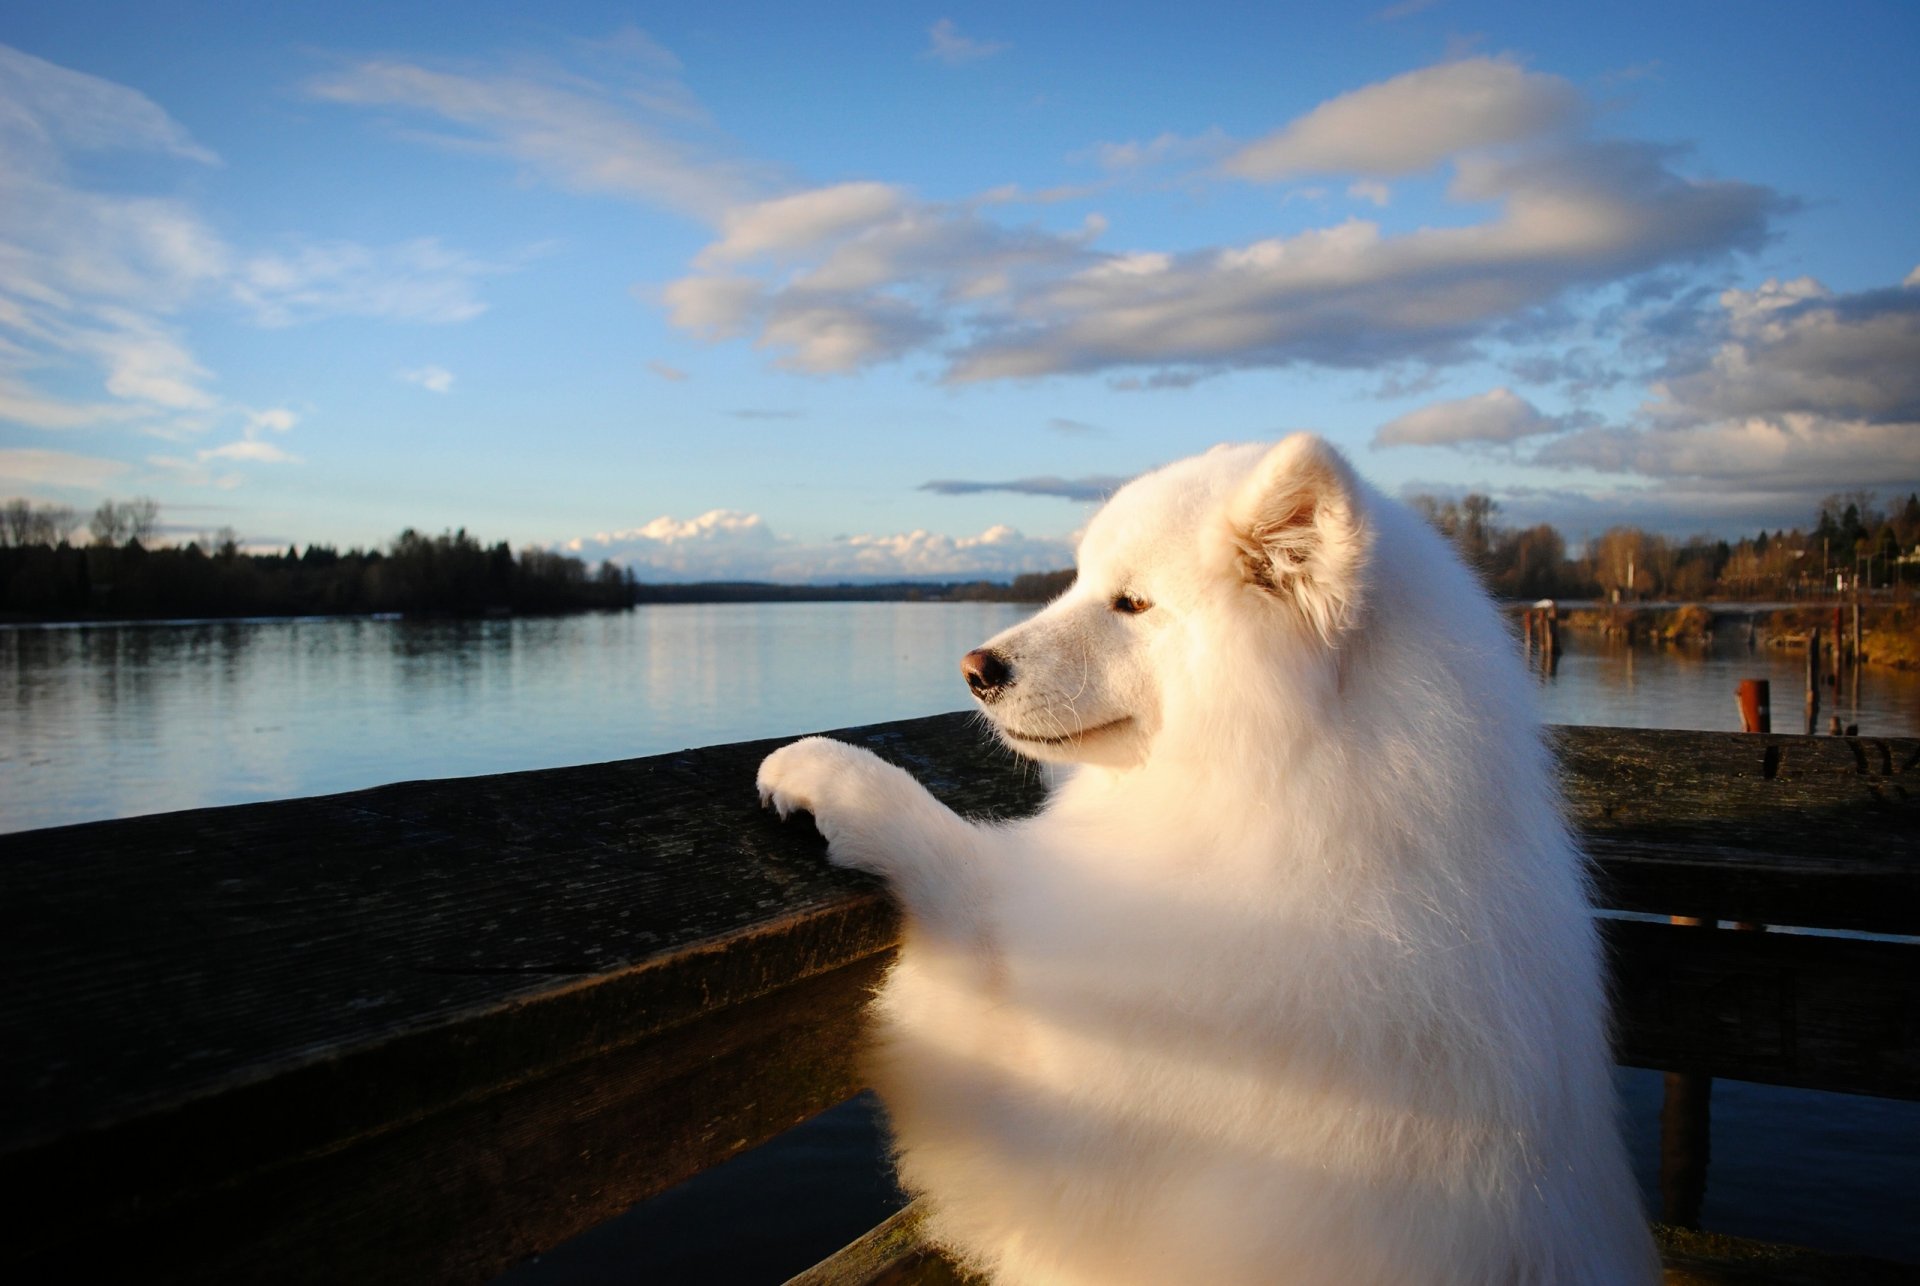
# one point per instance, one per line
(1755, 699)
(1813, 679)
(1686, 1121)
(1855, 653)
(1839, 647)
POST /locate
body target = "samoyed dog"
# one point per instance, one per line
(1293, 979)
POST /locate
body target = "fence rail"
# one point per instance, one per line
(423, 1031)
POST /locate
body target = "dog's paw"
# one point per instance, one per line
(830, 779)
(816, 774)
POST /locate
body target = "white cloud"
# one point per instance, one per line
(95, 281)
(1497, 416)
(75, 110)
(1164, 147)
(725, 544)
(1351, 295)
(1796, 346)
(1370, 190)
(713, 307)
(1809, 454)
(666, 371)
(37, 467)
(193, 473)
(415, 281)
(251, 450)
(92, 276)
(1805, 391)
(948, 45)
(884, 275)
(829, 335)
(21, 404)
(639, 134)
(999, 551)
(802, 221)
(275, 419)
(1414, 121)
(434, 379)
(839, 278)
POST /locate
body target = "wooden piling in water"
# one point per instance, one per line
(1755, 699)
(1813, 681)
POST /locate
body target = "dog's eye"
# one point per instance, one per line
(1130, 604)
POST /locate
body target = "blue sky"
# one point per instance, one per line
(860, 290)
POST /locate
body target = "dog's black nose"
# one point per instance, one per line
(987, 672)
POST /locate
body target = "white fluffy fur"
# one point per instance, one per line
(1293, 980)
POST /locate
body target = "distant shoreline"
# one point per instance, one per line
(1890, 628)
(643, 595)
(1034, 587)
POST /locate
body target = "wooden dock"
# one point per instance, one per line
(421, 1032)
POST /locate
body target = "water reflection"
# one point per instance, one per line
(114, 721)
(1603, 680)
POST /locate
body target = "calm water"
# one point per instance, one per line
(123, 720)
(114, 721)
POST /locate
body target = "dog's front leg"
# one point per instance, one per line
(877, 818)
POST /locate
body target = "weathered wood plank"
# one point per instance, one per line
(894, 1254)
(1814, 831)
(1873, 892)
(462, 1194)
(1780, 1008)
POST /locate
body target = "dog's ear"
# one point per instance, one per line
(1297, 529)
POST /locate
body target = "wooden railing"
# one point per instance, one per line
(420, 1032)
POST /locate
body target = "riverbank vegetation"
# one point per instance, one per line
(118, 576)
(1853, 542)
(1889, 631)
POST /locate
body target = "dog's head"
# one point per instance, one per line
(1245, 559)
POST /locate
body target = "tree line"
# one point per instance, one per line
(121, 574)
(1852, 537)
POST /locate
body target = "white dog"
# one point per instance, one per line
(1293, 980)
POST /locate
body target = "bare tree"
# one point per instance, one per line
(24, 523)
(142, 514)
(108, 524)
(117, 523)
